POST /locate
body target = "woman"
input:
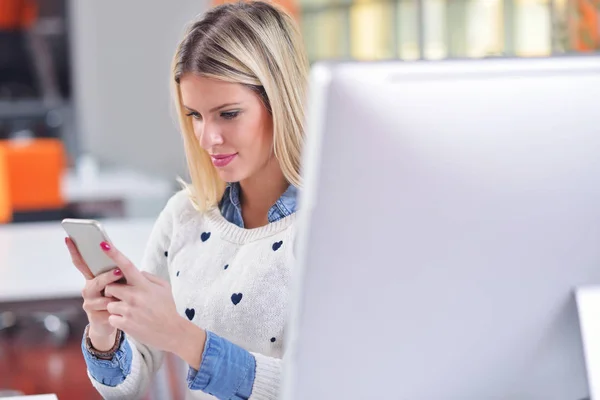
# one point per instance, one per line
(213, 288)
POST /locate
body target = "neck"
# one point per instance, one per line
(261, 191)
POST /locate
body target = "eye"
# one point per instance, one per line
(194, 115)
(230, 114)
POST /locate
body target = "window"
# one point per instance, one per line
(435, 29)
(532, 28)
(325, 33)
(407, 29)
(385, 29)
(372, 30)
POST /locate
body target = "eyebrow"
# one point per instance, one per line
(215, 108)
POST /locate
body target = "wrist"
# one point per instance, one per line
(99, 349)
(188, 343)
(102, 342)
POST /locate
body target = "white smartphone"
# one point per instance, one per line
(87, 234)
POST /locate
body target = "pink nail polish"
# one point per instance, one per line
(105, 246)
(117, 272)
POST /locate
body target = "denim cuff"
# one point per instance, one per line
(109, 372)
(226, 371)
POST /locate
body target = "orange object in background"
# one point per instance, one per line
(17, 14)
(5, 206)
(585, 25)
(35, 169)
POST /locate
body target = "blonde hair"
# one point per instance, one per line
(258, 45)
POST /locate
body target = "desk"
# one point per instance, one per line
(35, 263)
(142, 195)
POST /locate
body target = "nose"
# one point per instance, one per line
(209, 135)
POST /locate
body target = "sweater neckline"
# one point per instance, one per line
(236, 234)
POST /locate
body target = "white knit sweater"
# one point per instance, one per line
(212, 264)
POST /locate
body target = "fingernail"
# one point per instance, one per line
(67, 240)
(117, 272)
(105, 246)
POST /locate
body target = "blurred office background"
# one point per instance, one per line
(86, 129)
(88, 81)
(441, 29)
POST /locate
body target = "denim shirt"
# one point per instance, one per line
(224, 365)
(231, 207)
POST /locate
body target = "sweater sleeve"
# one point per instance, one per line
(228, 371)
(267, 378)
(146, 360)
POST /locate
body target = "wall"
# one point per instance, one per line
(121, 59)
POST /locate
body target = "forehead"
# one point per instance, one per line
(201, 92)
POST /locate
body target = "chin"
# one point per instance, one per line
(231, 176)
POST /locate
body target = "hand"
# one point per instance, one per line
(101, 332)
(146, 309)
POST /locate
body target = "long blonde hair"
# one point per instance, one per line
(258, 45)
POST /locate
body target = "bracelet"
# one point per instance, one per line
(103, 355)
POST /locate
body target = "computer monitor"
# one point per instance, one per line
(449, 210)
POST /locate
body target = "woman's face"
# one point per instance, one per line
(231, 123)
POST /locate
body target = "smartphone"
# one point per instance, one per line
(87, 234)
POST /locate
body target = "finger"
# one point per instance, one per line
(97, 304)
(131, 273)
(118, 308)
(122, 292)
(99, 283)
(99, 317)
(154, 279)
(77, 259)
(119, 322)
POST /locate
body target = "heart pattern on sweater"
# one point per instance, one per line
(205, 236)
(277, 245)
(236, 298)
(190, 312)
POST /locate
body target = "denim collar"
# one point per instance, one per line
(284, 206)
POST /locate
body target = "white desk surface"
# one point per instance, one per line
(35, 263)
(113, 184)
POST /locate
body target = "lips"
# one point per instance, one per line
(221, 160)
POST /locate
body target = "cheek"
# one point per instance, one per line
(251, 138)
(263, 135)
(262, 144)
(197, 128)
